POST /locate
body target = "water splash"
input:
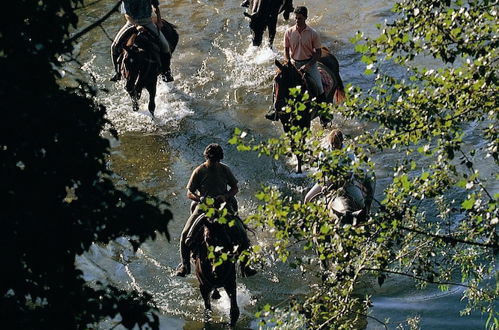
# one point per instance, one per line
(172, 104)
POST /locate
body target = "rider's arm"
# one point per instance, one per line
(193, 196)
(232, 192)
(286, 54)
(316, 45)
(313, 60)
(316, 190)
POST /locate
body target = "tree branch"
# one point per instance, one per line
(444, 238)
(416, 277)
(77, 35)
(448, 238)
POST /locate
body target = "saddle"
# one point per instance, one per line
(326, 78)
(141, 38)
(195, 235)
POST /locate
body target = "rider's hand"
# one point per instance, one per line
(159, 24)
(221, 198)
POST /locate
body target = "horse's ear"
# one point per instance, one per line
(278, 64)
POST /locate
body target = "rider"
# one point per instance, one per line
(139, 12)
(211, 179)
(302, 46)
(335, 141)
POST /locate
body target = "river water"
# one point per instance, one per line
(222, 82)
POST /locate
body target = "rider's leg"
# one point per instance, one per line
(245, 244)
(354, 192)
(314, 73)
(185, 253)
(242, 237)
(314, 191)
(166, 56)
(116, 48)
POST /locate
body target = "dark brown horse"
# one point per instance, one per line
(212, 237)
(140, 62)
(263, 16)
(288, 76)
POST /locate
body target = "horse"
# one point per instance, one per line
(263, 15)
(349, 204)
(208, 232)
(288, 76)
(140, 63)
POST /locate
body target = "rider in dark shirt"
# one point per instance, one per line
(211, 179)
(139, 13)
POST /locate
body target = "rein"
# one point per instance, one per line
(275, 87)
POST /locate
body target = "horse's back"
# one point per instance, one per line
(329, 60)
(206, 273)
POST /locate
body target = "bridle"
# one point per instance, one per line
(276, 88)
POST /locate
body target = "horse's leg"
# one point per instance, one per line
(299, 163)
(152, 96)
(135, 100)
(272, 26)
(231, 288)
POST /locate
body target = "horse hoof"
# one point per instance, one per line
(207, 315)
(234, 316)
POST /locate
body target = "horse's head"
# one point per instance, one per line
(287, 76)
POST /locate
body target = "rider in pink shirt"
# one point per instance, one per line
(302, 44)
(302, 47)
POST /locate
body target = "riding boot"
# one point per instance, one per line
(325, 119)
(117, 73)
(166, 74)
(185, 267)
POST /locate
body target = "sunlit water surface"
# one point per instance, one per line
(222, 82)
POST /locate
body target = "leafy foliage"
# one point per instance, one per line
(438, 218)
(57, 194)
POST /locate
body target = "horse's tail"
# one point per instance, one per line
(339, 94)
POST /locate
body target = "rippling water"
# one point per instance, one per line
(222, 82)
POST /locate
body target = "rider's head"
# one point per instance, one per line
(214, 152)
(335, 139)
(302, 10)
